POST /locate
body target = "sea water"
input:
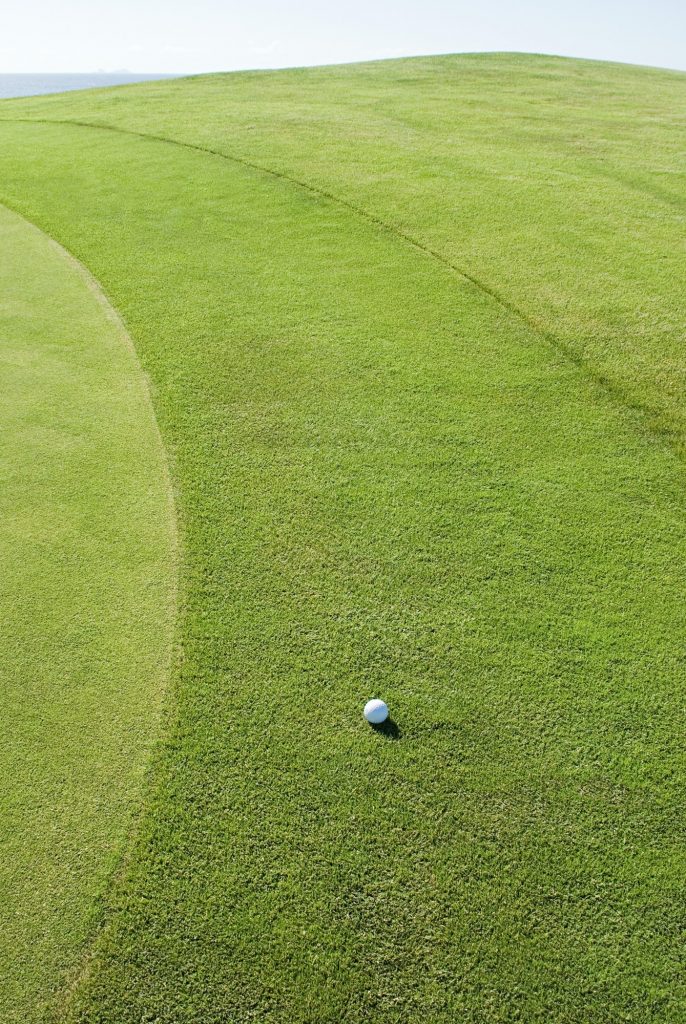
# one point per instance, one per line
(37, 84)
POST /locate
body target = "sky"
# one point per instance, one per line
(188, 36)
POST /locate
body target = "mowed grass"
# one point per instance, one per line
(560, 184)
(87, 607)
(393, 483)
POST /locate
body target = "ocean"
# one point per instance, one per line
(37, 84)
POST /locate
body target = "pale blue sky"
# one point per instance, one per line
(216, 35)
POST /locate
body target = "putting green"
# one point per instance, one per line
(87, 599)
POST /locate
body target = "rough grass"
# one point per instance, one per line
(465, 496)
(86, 601)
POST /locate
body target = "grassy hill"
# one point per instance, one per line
(414, 333)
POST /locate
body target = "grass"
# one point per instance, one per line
(418, 377)
(86, 603)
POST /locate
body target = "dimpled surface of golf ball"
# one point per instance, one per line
(375, 711)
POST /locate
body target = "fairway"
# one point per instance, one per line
(414, 337)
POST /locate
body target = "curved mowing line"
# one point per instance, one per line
(115, 317)
(650, 418)
(158, 550)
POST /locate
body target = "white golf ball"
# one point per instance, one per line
(375, 711)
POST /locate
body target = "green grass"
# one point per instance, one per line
(86, 603)
(418, 374)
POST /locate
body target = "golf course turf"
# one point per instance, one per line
(87, 601)
(414, 337)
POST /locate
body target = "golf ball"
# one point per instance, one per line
(375, 711)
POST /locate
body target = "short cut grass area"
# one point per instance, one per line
(87, 606)
(462, 492)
